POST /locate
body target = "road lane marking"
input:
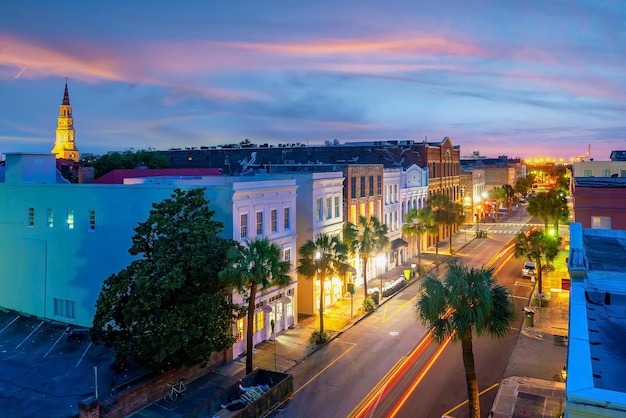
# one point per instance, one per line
(28, 336)
(325, 368)
(463, 403)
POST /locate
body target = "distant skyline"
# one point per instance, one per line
(522, 79)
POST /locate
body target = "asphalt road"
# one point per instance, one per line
(352, 375)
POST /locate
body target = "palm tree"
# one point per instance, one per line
(540, 206)
(323, 258)
(416, 223)
(498, 194)
(535, 246)
(256, 266)
(509, 192)
(367, 239)
(468, 300)
(446, 213)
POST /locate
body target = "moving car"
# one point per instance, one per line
(528, 270)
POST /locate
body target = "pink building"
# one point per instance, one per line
(600, 202)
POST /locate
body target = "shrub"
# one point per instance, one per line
(318, 337)
(369, 305)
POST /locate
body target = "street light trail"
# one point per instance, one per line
(419, 378)
(391, 379)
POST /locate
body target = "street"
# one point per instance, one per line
(350, 369)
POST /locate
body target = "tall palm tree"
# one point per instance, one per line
(416, 223)
(509, 192)
(366, 239)
(468, 300)
(443, 210)
(323, 258)
(255, 266)
(535, 245)
(540, 206)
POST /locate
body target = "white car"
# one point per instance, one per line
(529, 269)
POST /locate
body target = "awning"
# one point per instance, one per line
(398, 243)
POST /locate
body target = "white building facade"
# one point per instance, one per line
(60, 241)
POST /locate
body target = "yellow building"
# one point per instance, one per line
(64, 145)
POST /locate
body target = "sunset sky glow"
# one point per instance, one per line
(523, 79)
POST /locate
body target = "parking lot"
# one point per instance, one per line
(47, 368)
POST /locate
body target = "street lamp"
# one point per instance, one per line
(380, 262)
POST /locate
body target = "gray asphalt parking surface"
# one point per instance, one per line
(47, 368)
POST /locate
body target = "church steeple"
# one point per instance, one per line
(64, 145)
(66, 96)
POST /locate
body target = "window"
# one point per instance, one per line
(337, 213)
(287, 254)
(353, 187)
(379, 185)
(244, 226)
(240, 332)
(286, 219)
(64, 308)
(396, 196)
(600, 222)
(362, 186)
(622, 173)
(371, 186)
(274, 220)
(259, 321)
(259, 223)
(70, 219)
(92, 219)
(50, 216)
(318, 209)
(31, 216)
(606, 173)
(329, 207)
(587, 173)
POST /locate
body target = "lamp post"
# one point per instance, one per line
(380, 262)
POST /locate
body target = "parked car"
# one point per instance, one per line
(528, 270)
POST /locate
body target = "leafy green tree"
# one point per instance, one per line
(169, 308)
(366, 239)
(418, 222)
(468, 300)
(323, 258)
(524, 185)
(255, 266)
(128, 159)
(536, 246)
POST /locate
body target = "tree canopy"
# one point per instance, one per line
(169, 308)
(130, 158)
(536, 246)
(469, 300)
(416, 223)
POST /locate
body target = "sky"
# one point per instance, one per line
(517, 78)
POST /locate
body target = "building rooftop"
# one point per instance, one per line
(118, 176)
(596, 362)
